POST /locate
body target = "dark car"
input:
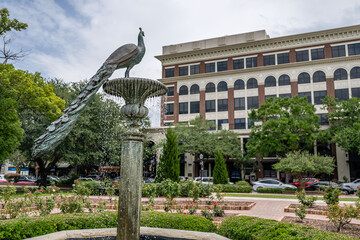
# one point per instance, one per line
(49, 179)
(27, 179)
(319, 187)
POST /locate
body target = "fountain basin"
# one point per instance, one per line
(146, 234)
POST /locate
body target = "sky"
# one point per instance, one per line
(70, 39)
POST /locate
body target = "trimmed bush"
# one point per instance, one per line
(269, 190)
(237, 188)
(244, 228)
(22, 228)
(12, 177)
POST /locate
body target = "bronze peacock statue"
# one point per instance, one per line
(126, 56)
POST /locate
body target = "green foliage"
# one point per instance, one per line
(186, 188)
(305, 200)
(300, 163)
(169, 165)
(168, 189)
(246, 228)
(237, 188)
(301, 212)
(340, 216)
(12, 177)
(220, 173)
(6, 24)
(331, 195)
(288, 124)
(269, 190)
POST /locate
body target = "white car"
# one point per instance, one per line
(204, 180)
(271, 183)
(2, 178)
(354, 184)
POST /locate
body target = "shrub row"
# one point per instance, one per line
(237, 188)
(269, 190)
(244, 228)
(22, 228)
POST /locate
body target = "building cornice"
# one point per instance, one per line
(262, 68)
(266, 45)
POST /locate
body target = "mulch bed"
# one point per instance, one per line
(316, 209)
(352, 230)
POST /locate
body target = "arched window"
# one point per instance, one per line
(210, 87)
(222, 86)
(239, 84)
(270, 81)
(303, 78)
(251, 83)
(340, 74)
(183, 90)
(355, 72)
(319, 76)
(284, 80)
(194, 89)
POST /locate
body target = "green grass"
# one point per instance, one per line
(279, 196)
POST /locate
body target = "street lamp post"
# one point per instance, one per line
(201, 156)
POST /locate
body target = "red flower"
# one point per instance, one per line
(215, 204)
(185, 213)
(41, 191)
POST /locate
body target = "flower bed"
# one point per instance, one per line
(316, 209)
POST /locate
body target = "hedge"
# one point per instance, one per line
(236, 188)
(269, 190)
(252, 228)
(22, 228)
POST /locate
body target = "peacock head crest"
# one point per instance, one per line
(141, 32)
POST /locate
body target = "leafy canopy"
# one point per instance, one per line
(7, 24)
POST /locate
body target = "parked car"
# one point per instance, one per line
(148, 180)
(354, 184)
(317, 186)
(2, 178)
(94, 177)
(207, 180)
(85, 179)
(271, 183)
(308, 182)
(49, 179)
(27, 179)
(328, 183)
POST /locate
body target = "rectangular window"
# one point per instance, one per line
(170, 91)
(355, 92)
(239, 103)
(318, 96)
(238, 63)
(283, 58)
(183, 71)
(354, 49)
(169, 72)
(168, 123)
(221, 66)
(222, 105)
(209, 67)
(338, 51)
(317, 53)
(169, 109)
(250, 123)
(269, 96)
(195, 107)
(213, 124)
(240, 123)
(251, 62)
(269, 60)
(252, 103)
(323, 119)
(307, 95)
(194, 69)
(183, 108)
(220, 122)
(342, 94)
(210, 106)
(285, 95)
(302, 56)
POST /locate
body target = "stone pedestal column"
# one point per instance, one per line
(130, 186)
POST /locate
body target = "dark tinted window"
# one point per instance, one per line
(252, 102)
(221, 66)
(251, 62)
(284, 80)
(183, 108)
(183, 71)
(302, 56)
(317, 53)
(239, 84)
(270, 81)
(170, 91)
(342, 94)
(284, 95)
(169, 109)
(323, 119)
(355, 92)
(194, 89)
(195, 107)
(169, 72)
(307, 95)
(251, 83)
(338, 51)
(209, 67)
(238, 63)
(239, 123)
(239, 103)
(283, 58)
(340, 74)
(355, 72)
(168, 123)
(194, 69)
(303, 78)
(222, 86)
(354, 49)
(210, 87)
(318, 96)
(250, 123)
(220, 122)
(222, 105)
(183, 90)
(319, 76)
(269, 96)
(210, 106)
(269, 60)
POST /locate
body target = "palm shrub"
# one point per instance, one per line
(220, 174)
(169, 165)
